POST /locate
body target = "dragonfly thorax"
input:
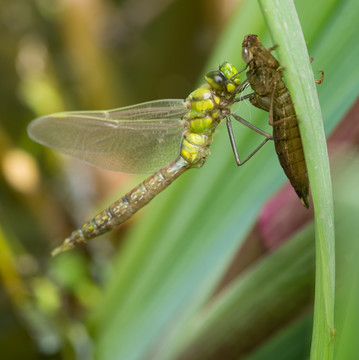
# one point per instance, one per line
(207, 106)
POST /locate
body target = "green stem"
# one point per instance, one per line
(283, 23)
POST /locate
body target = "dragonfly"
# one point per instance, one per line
(166, 137)
(271, 94)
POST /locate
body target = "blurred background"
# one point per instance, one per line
(199, 273)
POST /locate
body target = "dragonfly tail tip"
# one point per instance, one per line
(305, 201)
(63, 247)
(303, 195)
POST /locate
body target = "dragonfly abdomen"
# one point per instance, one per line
(195, 148)
(290, 153)
(122, 209)
(288, 143)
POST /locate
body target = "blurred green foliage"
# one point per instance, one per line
(74, 55)
(176, 279)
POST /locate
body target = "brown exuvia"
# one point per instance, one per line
(271, 94)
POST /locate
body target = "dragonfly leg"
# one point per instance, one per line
(251, 126)
(321, 77)
(240, 88)
(320, 71)
(233, 142)
(243, 86)
(241, 98)
(240, 71)
(271, 122)
(273, 47)
(280, 121)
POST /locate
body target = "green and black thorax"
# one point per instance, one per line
(207, 106)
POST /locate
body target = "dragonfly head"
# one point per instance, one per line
(226, 78)
(249, 44)
(256, 55)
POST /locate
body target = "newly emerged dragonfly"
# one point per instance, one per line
(271, 94)
(170, 135)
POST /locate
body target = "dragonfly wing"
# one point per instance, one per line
(139, 138)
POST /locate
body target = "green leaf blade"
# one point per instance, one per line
(283, 22)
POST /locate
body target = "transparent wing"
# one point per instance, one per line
(139, 138)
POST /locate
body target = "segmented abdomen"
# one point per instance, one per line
(123, 209)
(288, 142)
(289, 148)
(286, 135)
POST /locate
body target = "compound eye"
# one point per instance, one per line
(246, 55)
(216, 79)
